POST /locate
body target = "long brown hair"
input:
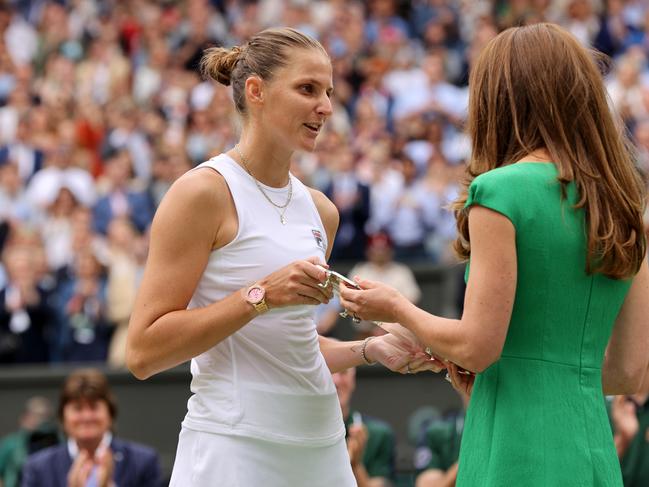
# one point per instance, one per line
(537, 87)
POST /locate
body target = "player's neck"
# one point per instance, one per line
(267, 160)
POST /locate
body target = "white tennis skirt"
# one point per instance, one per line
(214, 460)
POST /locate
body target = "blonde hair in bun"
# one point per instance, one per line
(260, 56)
(218, 62)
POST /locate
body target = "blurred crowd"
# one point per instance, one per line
(102, 107)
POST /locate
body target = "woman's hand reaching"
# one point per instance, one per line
(374, 302)
(400, 350)
(401, 355)
(461, 382)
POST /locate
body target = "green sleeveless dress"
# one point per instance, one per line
(537, 416)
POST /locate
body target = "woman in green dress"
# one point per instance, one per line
(557, 304)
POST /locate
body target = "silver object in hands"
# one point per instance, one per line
(334, 279)
(344, 313)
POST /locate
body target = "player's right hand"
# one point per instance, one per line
(297, 283)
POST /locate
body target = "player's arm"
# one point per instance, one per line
(385, 349)
(162, 332)
(338, 355)
(194, 218)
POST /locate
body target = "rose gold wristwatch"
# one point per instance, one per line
(256, 295)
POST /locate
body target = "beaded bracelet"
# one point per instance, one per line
(363, 356)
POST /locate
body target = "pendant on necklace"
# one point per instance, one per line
(282, 219)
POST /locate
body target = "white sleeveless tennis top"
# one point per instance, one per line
(268, 380)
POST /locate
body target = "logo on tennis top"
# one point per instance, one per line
(317, 235)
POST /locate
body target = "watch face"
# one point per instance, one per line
(255, 295)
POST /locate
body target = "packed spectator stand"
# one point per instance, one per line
(102, 107)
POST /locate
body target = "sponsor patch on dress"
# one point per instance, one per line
(317, 235)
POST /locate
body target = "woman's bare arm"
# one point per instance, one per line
(627, 355)
(389, 350)
(476, 340)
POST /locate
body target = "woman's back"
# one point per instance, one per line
(537, 416)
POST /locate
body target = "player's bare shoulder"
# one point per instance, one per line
(203, 186)
(194, 204)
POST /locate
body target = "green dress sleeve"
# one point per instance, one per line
(496, 191)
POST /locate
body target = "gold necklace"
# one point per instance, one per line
(280, 209)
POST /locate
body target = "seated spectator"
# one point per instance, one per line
(14, 204)
(58, 174)
(28, 236)
(36, 431)
(370, 442)
(413, 214)
(124, 272)
(26, 318)
(438, 450)
(352, 198)
(121, 199)
(441, 179)
(630, 419)
(56, 228)
(20, 151)
(85, 331)
(91, 455)
(166, 169)
(380, 266)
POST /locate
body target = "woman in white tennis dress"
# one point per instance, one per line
(231, 280)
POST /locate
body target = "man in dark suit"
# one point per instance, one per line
(352, 198)
(91, 457)
(122, 198)
(26, 317)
